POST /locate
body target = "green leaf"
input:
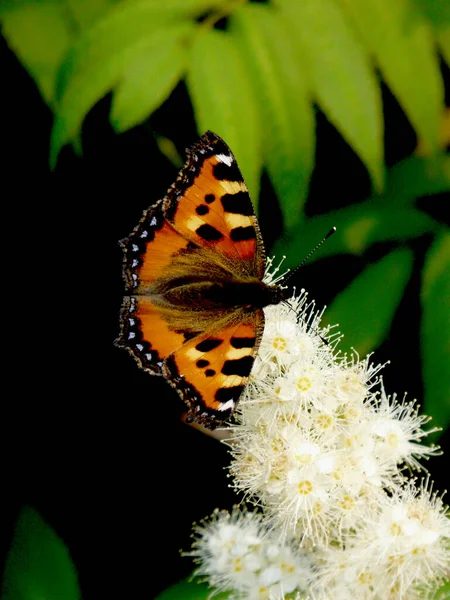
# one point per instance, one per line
(401, 40)
(343, 79)
(435, 330)
(288, 125)
(86, 12)
(365, 309)
(190, 591)
(124, 26)
(358, 227)
(443, 37)
(443, 593)
(38, 565)
(150, 79)
(437, 11)
(223, 100)
(104, 53)
(40, 34)
(415, 177)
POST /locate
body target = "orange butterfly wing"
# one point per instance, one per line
(210, 371)
(207, 208)
(146, 334)
(210, 205)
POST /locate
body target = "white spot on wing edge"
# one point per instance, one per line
(228, 405)
(225, 158)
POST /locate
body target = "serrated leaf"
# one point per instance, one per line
(224, 102)
(40, 35)
(365, 309)
(288, 124)
(435, 330)
(343, 79)
(105, 51)
(358, 227)
(125, 25)
(150, 79)
(401, 40)
(38, 564)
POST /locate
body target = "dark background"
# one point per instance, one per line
(88, 439)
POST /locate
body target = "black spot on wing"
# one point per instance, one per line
(243, 342)
(238, 203)
(230, 393)
(224, 172)
(199, 410)
(240, 366)
(242, 234)
(209, 198)
(210, 372)
(202, 210)
(217, 144)
(188, 335)
(208, 345)
(208, 233)
(202, 363)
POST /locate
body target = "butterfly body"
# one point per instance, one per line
(196, 293)
(193, 269)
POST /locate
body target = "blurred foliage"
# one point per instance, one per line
(255, 82)
(38, 565)
(443, 593)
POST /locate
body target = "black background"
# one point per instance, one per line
(88, 439)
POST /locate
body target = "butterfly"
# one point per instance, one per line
(193, 270)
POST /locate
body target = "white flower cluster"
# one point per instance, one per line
(237, 553)
(326, 455)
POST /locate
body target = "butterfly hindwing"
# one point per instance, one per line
(210, 370)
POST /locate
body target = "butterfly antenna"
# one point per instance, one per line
(308, 256)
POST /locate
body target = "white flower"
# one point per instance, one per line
(398, 428)
(237, 552)
(402, 545)
(320, 448)
(280, 344)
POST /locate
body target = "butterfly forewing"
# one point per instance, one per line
(150, 248)
(210, 205)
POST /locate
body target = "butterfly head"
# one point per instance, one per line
(278, 293)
